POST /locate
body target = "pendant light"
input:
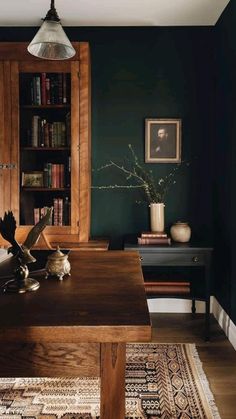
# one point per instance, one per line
(51, 42)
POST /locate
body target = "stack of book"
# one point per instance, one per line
(151, 237)
(167, 288)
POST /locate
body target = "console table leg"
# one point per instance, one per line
(208, 294)
(112, 381)
(207, 321)
(193, 306)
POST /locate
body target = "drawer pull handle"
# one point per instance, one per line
(195, 259)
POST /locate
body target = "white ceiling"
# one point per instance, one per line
(114, 12)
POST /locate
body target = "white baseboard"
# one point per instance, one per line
(225, 322)
(172, 305)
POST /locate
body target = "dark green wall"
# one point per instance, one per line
(224, 196)
(143, 73)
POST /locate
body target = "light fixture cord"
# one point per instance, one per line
(52, 13)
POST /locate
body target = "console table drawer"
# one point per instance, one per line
(175, 259)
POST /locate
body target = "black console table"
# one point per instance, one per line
(179, 255)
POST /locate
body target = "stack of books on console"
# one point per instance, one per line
(167, 288)
(152, 237)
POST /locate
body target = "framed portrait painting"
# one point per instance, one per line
(162, 140)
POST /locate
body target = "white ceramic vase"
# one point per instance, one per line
(180, 232)
(157, 217)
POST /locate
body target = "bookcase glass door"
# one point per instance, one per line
(45, 142)
(45, 147)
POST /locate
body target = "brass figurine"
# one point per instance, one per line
(21, 252)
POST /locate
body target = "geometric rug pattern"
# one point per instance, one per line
(162, 381)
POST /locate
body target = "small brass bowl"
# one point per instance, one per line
(57, 265)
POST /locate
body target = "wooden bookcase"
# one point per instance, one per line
(45, 134)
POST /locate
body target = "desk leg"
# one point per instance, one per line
(112, 381)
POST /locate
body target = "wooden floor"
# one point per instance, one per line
(218, 356)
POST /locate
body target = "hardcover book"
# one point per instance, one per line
(153, 234)
(167, 288)
(156, 240)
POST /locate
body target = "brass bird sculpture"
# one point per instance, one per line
(8, 229)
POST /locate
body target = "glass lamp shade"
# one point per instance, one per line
(51, 42)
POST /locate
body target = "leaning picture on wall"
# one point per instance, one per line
(162, 140)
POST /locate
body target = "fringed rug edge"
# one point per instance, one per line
(206, 392)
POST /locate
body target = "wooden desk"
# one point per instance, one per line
(182, 254)
(79, 326)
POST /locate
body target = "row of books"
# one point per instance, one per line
(151, 237)
(39, 213)
(49, 89)
(60, 215)
(61, 211)
(54, 176)
(49, 134)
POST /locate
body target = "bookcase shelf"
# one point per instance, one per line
(56, 106)
(45, 148)
(46, 130)
(35, 189)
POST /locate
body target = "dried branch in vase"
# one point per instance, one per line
(155, 190)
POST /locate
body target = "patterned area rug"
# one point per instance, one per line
(162, 381)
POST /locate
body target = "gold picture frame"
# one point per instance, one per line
(163, 140)
(32, 179)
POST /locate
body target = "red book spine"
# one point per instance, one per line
(54, 176)
(167, 288)
(58, 175)
(61, 175)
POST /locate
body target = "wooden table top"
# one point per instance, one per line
(103, 301)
